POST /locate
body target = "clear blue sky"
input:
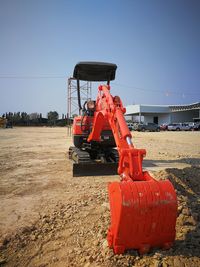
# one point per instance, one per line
(156, 45)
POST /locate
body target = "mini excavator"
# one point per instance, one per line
(143, 210)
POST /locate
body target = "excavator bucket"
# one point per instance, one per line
(143, 215)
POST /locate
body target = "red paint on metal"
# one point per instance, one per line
(143, 215)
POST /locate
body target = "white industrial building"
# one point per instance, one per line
(163, 114)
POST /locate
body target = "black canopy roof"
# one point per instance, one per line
(94, 71)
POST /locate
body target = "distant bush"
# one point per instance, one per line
(36, 119)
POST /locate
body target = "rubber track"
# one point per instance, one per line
(79, 156)
(115, 154)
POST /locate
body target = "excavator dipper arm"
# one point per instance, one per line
(143, 210)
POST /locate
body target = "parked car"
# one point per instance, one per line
(152, 127)
(164, 127)
(174, 127)
(130, 125)
(179, 127)
(191, 124)
(196, 126)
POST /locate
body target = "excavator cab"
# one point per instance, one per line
(95, 71)
(143, 210)
(97, 157)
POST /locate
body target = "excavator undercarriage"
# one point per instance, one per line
(85, 165)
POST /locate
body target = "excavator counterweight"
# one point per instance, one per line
(143, 210)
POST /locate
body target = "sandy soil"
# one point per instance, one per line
(49, 218)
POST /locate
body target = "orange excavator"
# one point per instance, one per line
(143, 210)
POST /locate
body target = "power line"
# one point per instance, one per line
(166, 92)
(31, 77)
(37, 77)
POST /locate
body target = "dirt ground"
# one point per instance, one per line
(49, 218)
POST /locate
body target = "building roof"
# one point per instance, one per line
(185, 107)
(137, 109)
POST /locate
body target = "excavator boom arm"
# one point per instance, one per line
(111, 109)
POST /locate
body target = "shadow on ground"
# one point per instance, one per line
(154, 163)
(187, 184)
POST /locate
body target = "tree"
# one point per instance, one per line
(34, 116)
(16, 118)
(52, 117)
(25, 118)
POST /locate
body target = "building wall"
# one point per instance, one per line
(132, 109)
(162, 118)
(184, 116)
(154, 109)
(148, 118)
(163, 113)
(134, 118)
